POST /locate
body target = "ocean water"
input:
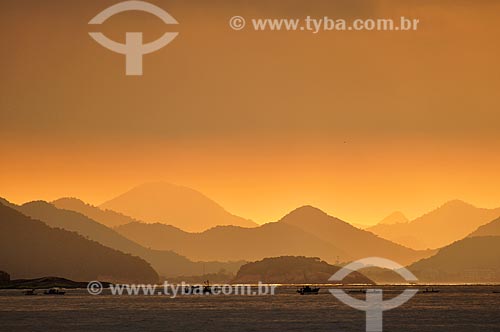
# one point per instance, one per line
(455, 308)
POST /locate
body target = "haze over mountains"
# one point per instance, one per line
(166, 263)
(166, 203)
(358, 243)
(30, 249)
(452, 221)
(232, 242)
(306, 231)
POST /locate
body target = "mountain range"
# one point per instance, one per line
(166, 263)
(30, 249)
(306, 231)
(166, 203)
(451, 222)
(468, 237)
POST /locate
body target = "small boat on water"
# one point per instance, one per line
(432, 290)
(54, 291)
(307, 290)
(29, 292)
(199, 289)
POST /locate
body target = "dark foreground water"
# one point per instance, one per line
(455, 308)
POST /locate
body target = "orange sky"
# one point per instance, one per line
(256, 120)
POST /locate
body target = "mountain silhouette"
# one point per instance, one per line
(106, 217)
(293, 270)
(167, 263)
(175, 205)
(31, 249)
(490, 229)
(451, 222)
(304, 232)
(394, 218)
(232, 242)
(474, 259)
(356, 242)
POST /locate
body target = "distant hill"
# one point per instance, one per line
(293, 270)
(167, 263)
(106, 217)
(451, 222)
(394, 218)
(179, 206)
(30, 249)
(474, 259)
(304, 232)
(490, 229)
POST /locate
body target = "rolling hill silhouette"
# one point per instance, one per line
(289, 270)
(167, 263)
(306, 231)
(182, 207)
(490, 229)
(106, 217)
(451, 222)
(30, 249)
(474, 259)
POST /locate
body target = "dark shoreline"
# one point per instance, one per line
(47, 282)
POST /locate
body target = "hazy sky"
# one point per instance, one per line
(357, 123)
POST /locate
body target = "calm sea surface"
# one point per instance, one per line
(455, 308)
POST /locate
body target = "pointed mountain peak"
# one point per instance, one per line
(394, 218)
(307, 215)
(306, 211)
